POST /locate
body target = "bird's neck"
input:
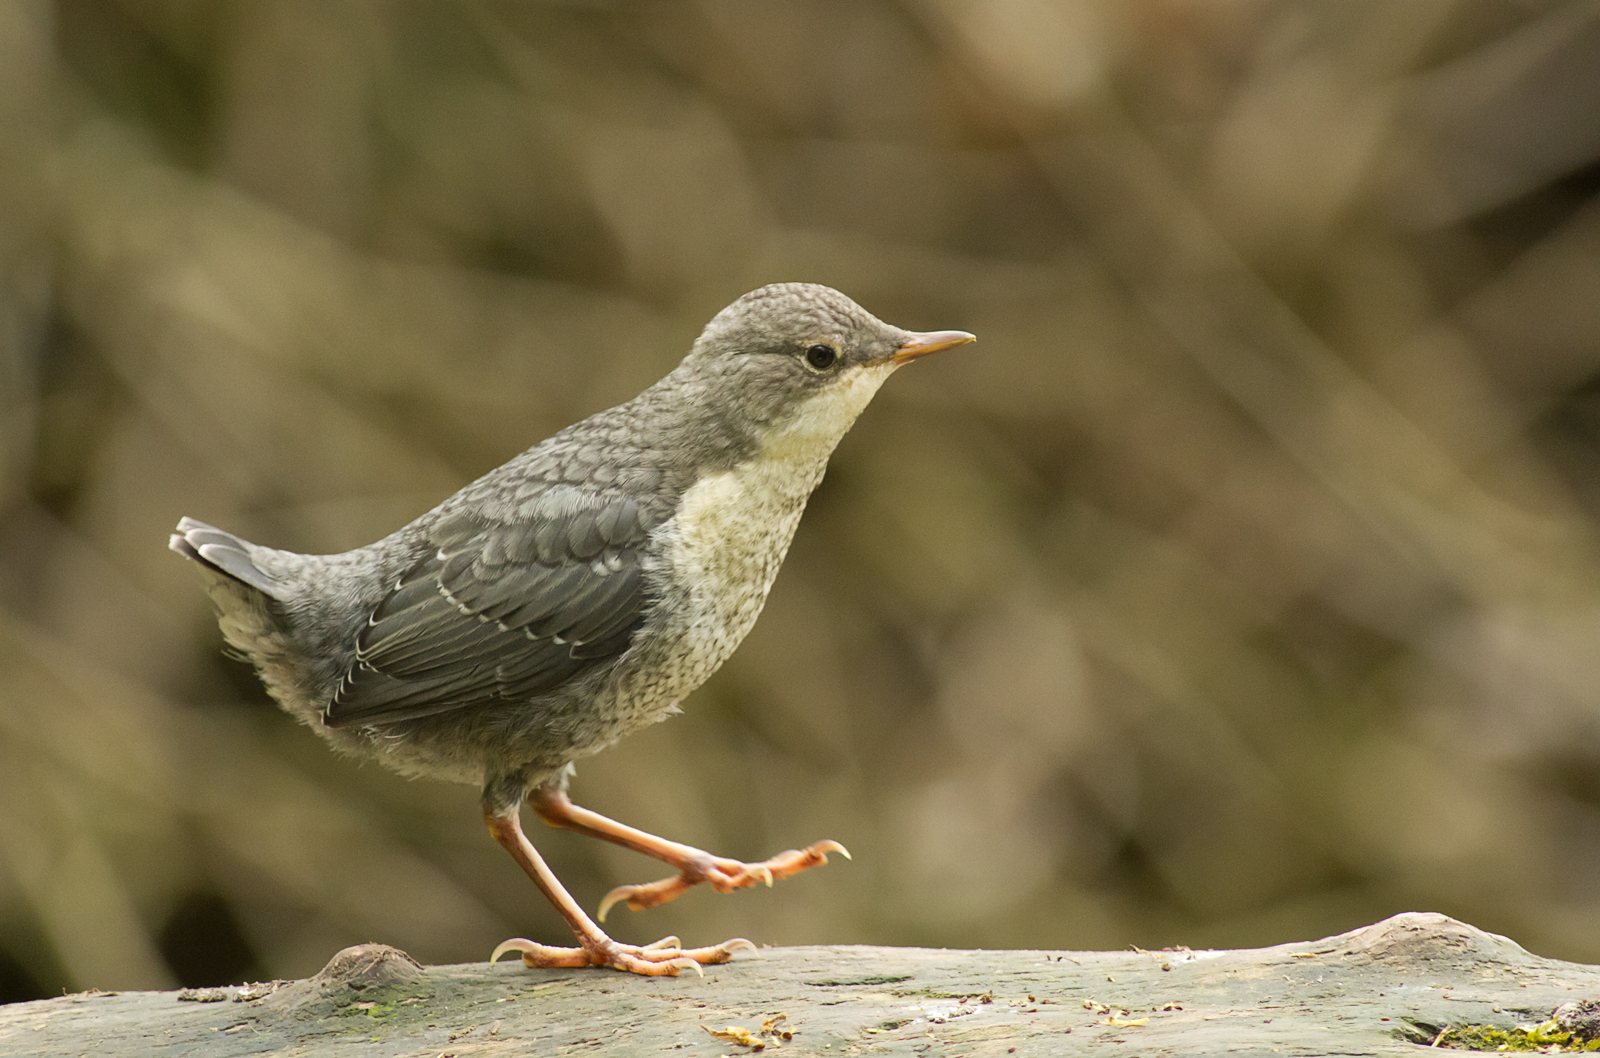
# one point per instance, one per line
(788, 450)
(807, 436)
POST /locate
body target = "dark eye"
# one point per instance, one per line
(821, 357)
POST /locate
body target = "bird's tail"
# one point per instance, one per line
(225, 553)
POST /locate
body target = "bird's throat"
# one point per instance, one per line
(812, 431)
(733, 528)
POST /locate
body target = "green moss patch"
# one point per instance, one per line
(1547, 1037)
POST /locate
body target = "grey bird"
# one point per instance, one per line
(576, 593)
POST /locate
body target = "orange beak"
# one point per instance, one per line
(930, 342)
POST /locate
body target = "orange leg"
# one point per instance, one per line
(694, 865)
(663, 958)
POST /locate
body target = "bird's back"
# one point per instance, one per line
(501, 617)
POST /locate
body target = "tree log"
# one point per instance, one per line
(1381, 989)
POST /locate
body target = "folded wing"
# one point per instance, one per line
(500, 612)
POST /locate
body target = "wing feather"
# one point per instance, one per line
(500, 612)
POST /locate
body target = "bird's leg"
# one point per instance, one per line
(663, 958)
(694, 865)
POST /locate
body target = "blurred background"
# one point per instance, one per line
(1240, 586)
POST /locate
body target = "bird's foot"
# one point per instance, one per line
(664, 958)
(723, 875)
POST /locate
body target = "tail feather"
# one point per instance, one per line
(223, 552)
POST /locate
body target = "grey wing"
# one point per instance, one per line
(500, 612)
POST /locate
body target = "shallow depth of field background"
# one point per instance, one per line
(1242, 584)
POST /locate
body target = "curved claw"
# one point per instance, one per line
(812, 855)
(683, 964)
(620, 893)
(664, 942)
(521, 944)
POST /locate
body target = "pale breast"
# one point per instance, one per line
(732, 533)
(724, 547)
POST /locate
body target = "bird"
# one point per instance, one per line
(575, 594)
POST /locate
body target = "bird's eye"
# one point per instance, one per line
(821, 357)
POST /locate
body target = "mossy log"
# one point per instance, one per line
(1382, 989)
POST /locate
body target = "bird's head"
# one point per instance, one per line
(796, 362)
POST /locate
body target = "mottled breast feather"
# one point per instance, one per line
(501, 611)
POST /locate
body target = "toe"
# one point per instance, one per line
(639, 897)
(720, 953)
(536, 955)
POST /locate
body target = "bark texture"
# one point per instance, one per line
(1379, 990)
